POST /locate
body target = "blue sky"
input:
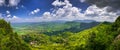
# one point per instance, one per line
(52, 10)
(43, 5)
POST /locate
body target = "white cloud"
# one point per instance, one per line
(8, 12)
(99, 14)
(37, 10)
(13, 2)
(58, 3)
(82, 1)
(67, 12)
(34, 11)
(15, 17)
(8, 16)
(2, 2)
(46, 15)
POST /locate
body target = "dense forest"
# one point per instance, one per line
(100, 36)
(10, 40)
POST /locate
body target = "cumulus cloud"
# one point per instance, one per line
(46, 15)
(14, 19)
(99, 14)
(2, 2)
(58, 3)
(8, 12)
(14, 2)
(112, 5)
(8, 15)
(68, 12)
(34, 11)
(9, 2)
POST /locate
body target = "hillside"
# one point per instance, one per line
(104, 36)
(51, 28)
(10, 40)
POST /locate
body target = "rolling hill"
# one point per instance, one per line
(100, 36)
(50, 28)
(104, 36)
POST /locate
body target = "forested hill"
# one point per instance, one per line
(105, 36)
(52, 28)
(10, 40)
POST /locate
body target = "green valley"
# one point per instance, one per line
(60, 36)
(59, 24)
(52, 27)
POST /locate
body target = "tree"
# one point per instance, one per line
(10, 40)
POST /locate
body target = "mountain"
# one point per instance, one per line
(69, 36)
(75, 28)
(85, 21)
(51, 28)
(104, 36)
(10, 40)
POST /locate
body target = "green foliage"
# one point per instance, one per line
(51, 28)
(10, 40)
(105, 36)
(63, 36)
(48, 28)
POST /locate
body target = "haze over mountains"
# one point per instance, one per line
(54, 26)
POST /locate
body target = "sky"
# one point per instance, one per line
(59, 10)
